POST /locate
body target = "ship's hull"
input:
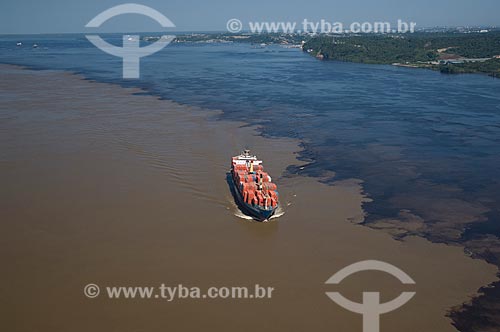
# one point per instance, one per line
(257, 212)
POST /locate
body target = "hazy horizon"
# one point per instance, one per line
(58, 16)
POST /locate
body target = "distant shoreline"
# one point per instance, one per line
(449, 53)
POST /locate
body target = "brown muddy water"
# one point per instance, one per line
(99, 185)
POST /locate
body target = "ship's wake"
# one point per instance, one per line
(238, 213)
(241, 215)
(279, 212)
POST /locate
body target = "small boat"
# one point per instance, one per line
(19, 44)
(253, 188)
(35, 45)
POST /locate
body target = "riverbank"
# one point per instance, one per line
(106, 186)
(448, 53)
(490, 67)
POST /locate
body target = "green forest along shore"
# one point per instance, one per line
(451, 53)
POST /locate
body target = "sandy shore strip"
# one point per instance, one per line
(103, 186)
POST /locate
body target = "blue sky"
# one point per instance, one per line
(60, 16)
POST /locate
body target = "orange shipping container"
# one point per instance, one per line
(250, 186)
(269, 186)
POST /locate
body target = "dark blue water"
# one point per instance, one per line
(420, 140)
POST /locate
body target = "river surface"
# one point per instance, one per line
(404, 132)
(424, 148)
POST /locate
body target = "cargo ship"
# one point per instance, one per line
(253, 188)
